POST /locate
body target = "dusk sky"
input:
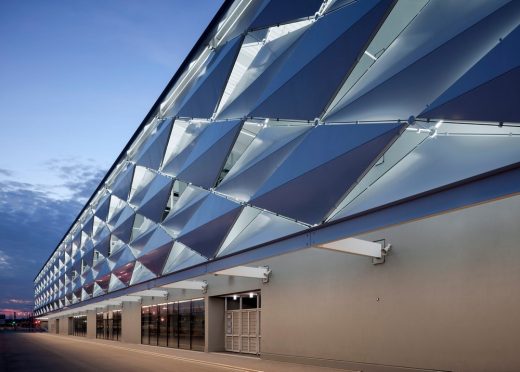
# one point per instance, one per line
(76, 79)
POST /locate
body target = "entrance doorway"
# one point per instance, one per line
(243, 314)
(57, 326)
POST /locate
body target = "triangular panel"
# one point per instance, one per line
(282, 11)
(209, 153)
(155, 260)
(315, 189)
(207, 90)
(141, 274)
(321, 71)
(155, 198)
(122, 184)
(181, 257)
(152, 152)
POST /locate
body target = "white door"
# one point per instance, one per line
(243, 331)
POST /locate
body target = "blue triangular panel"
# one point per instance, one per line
(207, 238)
(207, 90)
(121, 258)
(321, 145)
(209, 153)
(282, 11)
(158, 239)
(346, 32)
(123, 226)
(152, 152)
(315, 192)
(212, 207)
(403, 94)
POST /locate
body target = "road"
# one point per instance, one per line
(42, 352)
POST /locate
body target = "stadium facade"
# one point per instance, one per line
(327, 182)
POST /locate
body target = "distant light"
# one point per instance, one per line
(251, 295)
(439, 123)
(235, 297)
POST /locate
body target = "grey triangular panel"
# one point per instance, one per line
(209, 154)
(121, 187)
(152, 152)
(207, 238)
(181, 146)
(316, 192)
(157, 239)
(102, 208)
(115, 283)
(264, 67)
(267, 151)
(263, 227)
(180, 258)
(345, 34)
(321, 145)
(403, 95)
(183, 210)
(101, 269)
(212, 207)
(437, 162)
(123, 226)
(98, 291)
(141, 274)
(88, 226)
(154, 201)
(282, 11)
(207, 90)
(121, 258)
(138, 244)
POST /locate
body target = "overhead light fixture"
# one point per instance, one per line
(439, 123)
(251, 295)
(235, 297)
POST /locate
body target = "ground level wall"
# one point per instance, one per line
(446, 299)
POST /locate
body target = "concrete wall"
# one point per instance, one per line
(447, 298)
(131, 322)
(91, 323)
(215, 324)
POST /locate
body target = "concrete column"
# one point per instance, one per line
(64, 325)
(131, 322)
(91, 323)
(214, 323)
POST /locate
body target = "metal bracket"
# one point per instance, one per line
(205, 287)
(385, 250)
(267, 275)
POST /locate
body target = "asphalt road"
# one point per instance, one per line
(20, 352)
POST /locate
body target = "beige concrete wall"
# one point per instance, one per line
(131, 322)
(214, 324)
(447, 298)
(91, 323)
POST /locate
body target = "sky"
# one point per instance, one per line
(77, 78)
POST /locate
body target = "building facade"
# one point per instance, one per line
(326, 182)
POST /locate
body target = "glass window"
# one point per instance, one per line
(116, 332)
(173, 325)
(154, 331)
(249, 302)
(145, 322)
(184, 325)
(233, 303)
(162, 311)
(99, 325)
(197, 325)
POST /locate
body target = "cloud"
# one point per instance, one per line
(18, 301)
(33, 219)
(6, 172)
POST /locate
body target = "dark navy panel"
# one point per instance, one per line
(207, 90)
(320, 78)
(88, 226)
(121, 257)
(152, 152)
(101, 269)
(158, 239)
(207, 239)
(124, 273)
(321, 145)
(404, 95)
(156, 259)
(209, 154)
(484, 93)
(282, 11)
(121, 187)
(497, 100)
(315, 193)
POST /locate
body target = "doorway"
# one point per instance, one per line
(243, 314)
